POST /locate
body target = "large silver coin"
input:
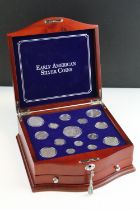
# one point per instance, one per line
(111, 141)
(78, 143)
(53, 125)
(41, 135)
(48, 152)
(93, 113)
(70, 151)
(59, 142)
(65, 117)
(101, 125)
(35, 121)
(82, 121)
(92, 147)
(93, 136)
(72, 131)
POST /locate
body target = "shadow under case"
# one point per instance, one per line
(67, 137)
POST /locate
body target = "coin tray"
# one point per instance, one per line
(86, 129)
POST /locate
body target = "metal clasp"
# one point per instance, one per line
(49, 21)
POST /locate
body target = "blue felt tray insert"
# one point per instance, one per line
(86, 128)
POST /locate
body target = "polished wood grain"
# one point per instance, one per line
(70, 183)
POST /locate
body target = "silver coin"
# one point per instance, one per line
(101, 125)
(35, 121)
(59, 142)
(41, 135)
(72, 131)
(48, 152)
(53, 125)
(82, 121)
(78, 143)
(92, 136)
(93, 113)
(111, 141)
(70, 151)
(92, 147)
(65, 117)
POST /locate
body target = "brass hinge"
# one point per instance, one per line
(22, 112)
(96, 102)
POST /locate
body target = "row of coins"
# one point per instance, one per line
(72, 131)
(36, 121)
(111, 141)
(50, 152)
(42, 135)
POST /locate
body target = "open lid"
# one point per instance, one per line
(55, 60)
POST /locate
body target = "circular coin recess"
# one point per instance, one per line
(35, 121)
(93, 136)
(41, 135)
(93, 113)
(78, 143)
(101, 125)
(92, 147)
(59, 142)
(82, 121)
(65, 117)
(70, 151)
(72, 131)
(48, 152)
(53, 125)
(111, 141)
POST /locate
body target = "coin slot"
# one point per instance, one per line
(101, 125)
(53, 125)
(35, 121)
(93, 136)
(93, 113)
(72, 131)
(48, 152)
(41, 135)
(111, 141)
(65, 117)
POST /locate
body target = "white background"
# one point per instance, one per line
(122, 193)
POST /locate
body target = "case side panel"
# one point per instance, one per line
(27, 154)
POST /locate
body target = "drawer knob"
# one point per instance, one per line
(55, 180)
(117, 168)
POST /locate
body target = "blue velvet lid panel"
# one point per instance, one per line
(58, 133)
(55, 67)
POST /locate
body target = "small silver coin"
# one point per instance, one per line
(93, 113)
(41, 135)
(78, 143)
(101, 125)
(35, 121)
(111, 141)
(59, 142)
(53, 125)
(93, 136)
(92, 147)
(82, 121)
(48, 152)
(65, 117)
(70, 151)
(72, 131)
